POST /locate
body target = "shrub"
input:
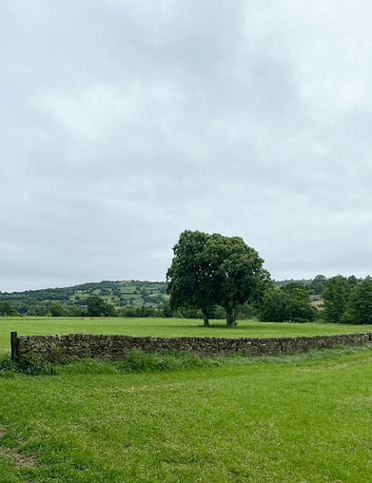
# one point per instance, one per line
(34, 365)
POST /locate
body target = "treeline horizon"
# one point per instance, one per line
(341, 301)
(73, 299)
(60, 292)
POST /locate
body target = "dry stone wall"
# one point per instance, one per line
(116, 347)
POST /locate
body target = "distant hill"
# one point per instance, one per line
(120, 293)
(125, 295)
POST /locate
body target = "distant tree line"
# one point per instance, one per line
(342, 300)
(314, 286)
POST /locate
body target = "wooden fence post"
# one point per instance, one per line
(14, 345)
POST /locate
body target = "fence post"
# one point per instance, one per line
(14, 345)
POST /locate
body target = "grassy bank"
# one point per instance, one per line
(162, 328)
(308, 420)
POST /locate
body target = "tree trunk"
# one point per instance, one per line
(230, 316)
(205, 318)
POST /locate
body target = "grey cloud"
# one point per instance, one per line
(124, 123)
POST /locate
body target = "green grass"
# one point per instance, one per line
(307, 420)
(159, 327)
(139, 361)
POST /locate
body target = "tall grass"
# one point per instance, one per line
(139, 362)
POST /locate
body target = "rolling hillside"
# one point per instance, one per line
(119, 293)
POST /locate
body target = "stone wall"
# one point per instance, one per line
(116, 347)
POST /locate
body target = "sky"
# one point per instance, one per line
(125, 122)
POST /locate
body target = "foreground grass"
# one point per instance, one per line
(305, 418)
(163, 328)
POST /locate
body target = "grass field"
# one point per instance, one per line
(305, 421)
(300, 419)
(162, 328)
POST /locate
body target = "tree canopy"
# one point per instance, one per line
(335, 299)
(291, 305)
(6, 309)
(215, 269)
(97, 307)
(360, 303)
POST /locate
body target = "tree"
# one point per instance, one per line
(190, 281)
(75, 311)
(290, 287)
(56, 309)
(213, 269)
(318, 285)
(353, 282)
(6, 309)
(294, 305)
(97, 307)
(300, 308)
(240, 275)
(335, 299)
(274, 307)
(360, 303)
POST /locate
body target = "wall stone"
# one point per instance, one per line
(116, 347)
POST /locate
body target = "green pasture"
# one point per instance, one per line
(305, 421)
(288, 419)
(162, 327)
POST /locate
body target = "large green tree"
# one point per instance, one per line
(238, 271)
(214, 269)
(190, 280)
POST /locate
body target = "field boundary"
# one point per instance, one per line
(116, 347)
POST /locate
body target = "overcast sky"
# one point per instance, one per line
(125, 122)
